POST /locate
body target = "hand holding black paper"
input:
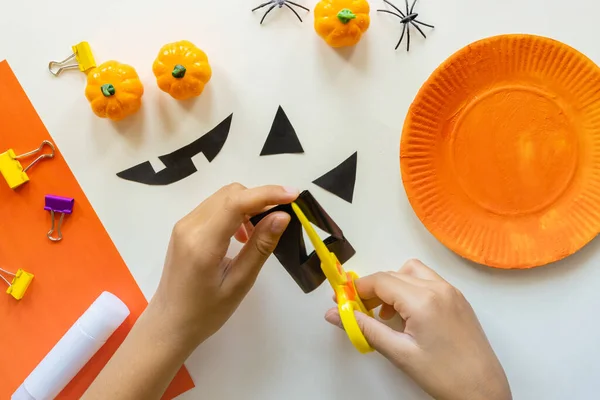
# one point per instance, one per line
(199, 290)
(291, 250)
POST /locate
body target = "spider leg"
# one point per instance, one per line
(294, 11)
(413, 6)
(298, 5)
(407, 10)
(395, 8)
(263, 5)
(402, 36)
(419, 29)
(267, 13)
(407, 37)
(390, 12)
(424, 24)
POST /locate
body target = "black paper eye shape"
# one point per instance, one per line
(341, 180)
(291, 250)
(179, 163)
(282, 138)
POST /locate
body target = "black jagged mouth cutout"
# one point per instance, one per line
(280, 3)
(291, 250)
(179, 164)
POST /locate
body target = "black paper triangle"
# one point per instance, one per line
(282, 138)
(341, 180)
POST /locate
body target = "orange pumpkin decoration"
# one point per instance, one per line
(342, 22)
(114, 90)
(500, 151)
(182, 70)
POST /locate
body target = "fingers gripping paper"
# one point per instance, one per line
(68, 276)
(291, 251)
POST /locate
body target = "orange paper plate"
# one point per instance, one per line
(500, 152)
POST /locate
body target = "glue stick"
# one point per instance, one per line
(74, 350)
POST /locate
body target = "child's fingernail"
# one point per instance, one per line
(279, 224)
(291, 190)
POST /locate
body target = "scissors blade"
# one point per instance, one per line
(320, 248)
(330, 265)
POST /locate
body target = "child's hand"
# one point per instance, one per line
(201, 288)
(443, 347)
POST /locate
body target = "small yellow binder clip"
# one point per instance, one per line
(20, 282)
(81, 58)
(13, 171)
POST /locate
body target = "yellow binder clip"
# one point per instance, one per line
(20, 282)
(13, 171)
(342, 283)
(81, 58)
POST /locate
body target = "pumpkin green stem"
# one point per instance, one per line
(107, 90)
(178, 71)
(346, 15)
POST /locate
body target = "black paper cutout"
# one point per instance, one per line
(179, 163)
(291, 250)
(341, 180)
(282, 138)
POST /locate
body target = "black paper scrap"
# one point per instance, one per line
(179, 163)
(341, 180)
(291, 250)
(282, 138)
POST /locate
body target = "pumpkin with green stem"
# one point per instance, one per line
(182, 70)
(114, 90)
(342, 22)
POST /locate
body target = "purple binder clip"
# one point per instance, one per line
(62, 206)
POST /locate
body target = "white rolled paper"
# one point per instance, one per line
(74, 350)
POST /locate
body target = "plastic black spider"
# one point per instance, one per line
(280, 3)
(409, 18)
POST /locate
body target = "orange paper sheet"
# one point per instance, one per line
(69, 275)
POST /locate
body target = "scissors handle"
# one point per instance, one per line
(349, 302)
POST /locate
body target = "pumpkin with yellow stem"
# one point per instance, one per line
(182, 70)
(114, 90)
(342, 22)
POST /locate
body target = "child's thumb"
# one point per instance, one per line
(259, 247)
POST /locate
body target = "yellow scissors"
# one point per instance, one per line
(342, 283)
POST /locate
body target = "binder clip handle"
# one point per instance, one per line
(82, 59)
(57, 67)
(38, 150)
(58, 205)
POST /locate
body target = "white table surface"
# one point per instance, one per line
(543, 323)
